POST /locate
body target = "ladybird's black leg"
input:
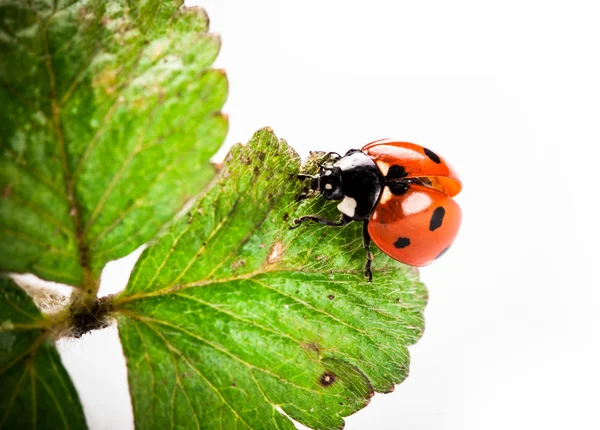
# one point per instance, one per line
(343, 221)
(367, 245)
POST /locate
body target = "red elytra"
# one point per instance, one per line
(418, 226)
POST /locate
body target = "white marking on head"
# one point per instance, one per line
(328, 186)
(384, 167)
(347, 206)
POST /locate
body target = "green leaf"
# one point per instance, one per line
(109, 117)
(36, 390)
(231, 317)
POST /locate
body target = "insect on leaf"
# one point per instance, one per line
(232, 320)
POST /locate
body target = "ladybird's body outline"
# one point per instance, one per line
(402, 192)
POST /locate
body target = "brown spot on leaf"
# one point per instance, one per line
(331, 297)
(327, 379)
(237, 264)
(275, 253)
(312, 346)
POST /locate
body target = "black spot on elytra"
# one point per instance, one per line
(398, 188)
(432, 156)
(443, 252)
(402, 242)
(437, 218)
(396, 172)
(327, 379)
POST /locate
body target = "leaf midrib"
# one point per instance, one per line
(90, 283)
(251, 277)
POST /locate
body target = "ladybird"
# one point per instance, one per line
(402, 192)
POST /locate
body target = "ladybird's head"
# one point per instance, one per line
(330, 182)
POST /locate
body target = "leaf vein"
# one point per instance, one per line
(327, 314)
(48, 248)
(220, 349)
(13, 397)
(197, 370)
(59, 407)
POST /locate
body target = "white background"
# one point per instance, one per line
(509, 92)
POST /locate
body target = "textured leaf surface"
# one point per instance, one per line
(232, 318)
(109, 117)
(36, 390)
